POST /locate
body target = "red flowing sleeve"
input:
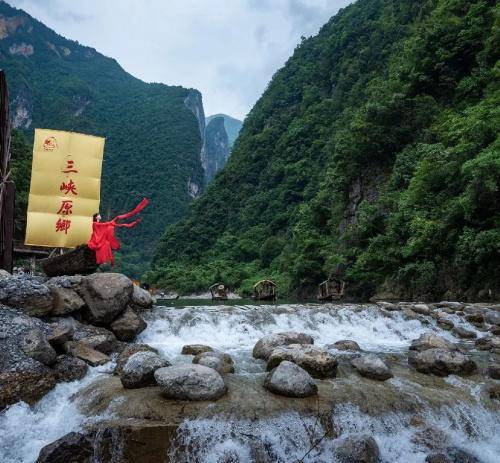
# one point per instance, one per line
(136, 210)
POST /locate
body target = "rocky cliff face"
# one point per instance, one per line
(217, 148)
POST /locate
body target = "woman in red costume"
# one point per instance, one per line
(103, 240)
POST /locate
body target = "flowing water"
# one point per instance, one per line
(470, 422)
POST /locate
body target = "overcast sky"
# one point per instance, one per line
(227, 49)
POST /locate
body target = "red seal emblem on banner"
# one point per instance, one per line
(50, 144)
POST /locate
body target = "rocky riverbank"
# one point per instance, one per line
(385, 382)
(52, 329)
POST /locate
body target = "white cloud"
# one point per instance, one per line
(227, 49)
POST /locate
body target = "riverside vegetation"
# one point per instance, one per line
(376, 147)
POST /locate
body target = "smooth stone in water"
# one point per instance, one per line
(139, 370)
(319, 363)
(430, 341)
(494, 371)
(219, 361)
(127, 352)
(195, 349)
(289, 380)
(265, 345)
(422, 309)
(86, 353)
(128, 325)
(346, 344)
(488, 343)
(492, 317)
(458, 455)
(190, 382)
(357, 449)
(461, 332)
(370, 366)
(437, 458)
(141, 298)
(442, 362)
(72, 448)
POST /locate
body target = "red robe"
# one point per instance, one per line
(103, 240)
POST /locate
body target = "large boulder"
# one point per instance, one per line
(372, 367)
(97, 337)
(442, 362)
(139, 370)
(141, 298)
(106, 295)
(68, 368)
(219, 361)
(128, 325)
(86, 353)
(360, 448)
(290, 380)
(464, 333)
(66, 301)
(265, 345)
(35, 345)
(430, 341)
(195, 349)
(21, 376)
(26, 294)
(72, 448)
(190, 382)
(422, 309)
(319, 363)
(127, 352)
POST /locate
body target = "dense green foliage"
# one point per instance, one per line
(152, 139)
(232, 126)
(375, 147)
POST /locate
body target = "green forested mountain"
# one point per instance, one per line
(153, 140)
(232, 126)
(376, 147)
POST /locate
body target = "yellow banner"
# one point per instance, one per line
(65, 188)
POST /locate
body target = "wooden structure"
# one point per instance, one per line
(219, 292)
(7, 187)
(331, 290)
(80, 260)
(265, 290)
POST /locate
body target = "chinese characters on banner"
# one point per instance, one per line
(65, 188)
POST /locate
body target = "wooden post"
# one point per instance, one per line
(7, 188)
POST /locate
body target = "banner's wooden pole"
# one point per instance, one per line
(7, 188)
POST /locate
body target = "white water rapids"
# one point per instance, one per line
(287, 438)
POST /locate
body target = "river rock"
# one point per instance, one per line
(492, 317)
(127, 352)
(458, 455)
(219, 361)
(195, 349)
(66, 301)
(442, 362)
(476, 318)
(106, 295)
(97, 337)
(319, 363)
(35, 345)
(430, 341)
(190, 382)
(72, 448)
(488, 343)
(139, 370)
(290, 380)
(494, 371)
(141, 298)
(21, 377)
(451, 305)
(128, 325)
(61, 332)
(265, 345)
(346, 344)
(68, 368)
(26, 294)
(360, 448)
(445, 324)
(65, 281)
(388, 306)
(422, 309)
(461, 332)
(86, 353)
(371, 366)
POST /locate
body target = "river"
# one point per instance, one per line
(252, 425)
